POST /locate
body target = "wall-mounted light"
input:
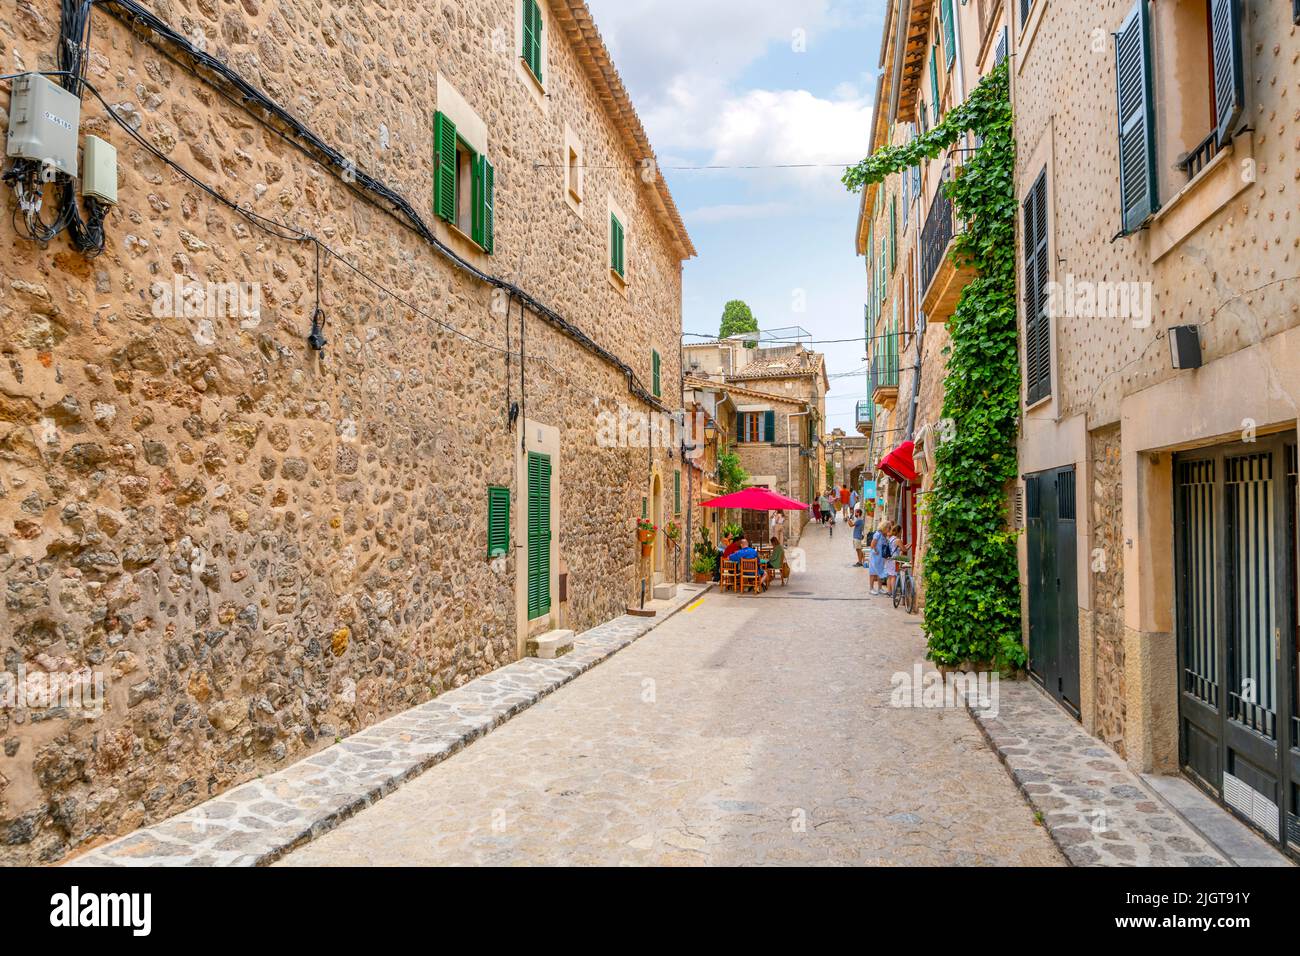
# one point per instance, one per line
(1185, 346)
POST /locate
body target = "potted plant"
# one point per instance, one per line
(705, 562)
(645, 533)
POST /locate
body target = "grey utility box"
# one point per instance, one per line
(43, 121)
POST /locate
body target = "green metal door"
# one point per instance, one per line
(539, 535)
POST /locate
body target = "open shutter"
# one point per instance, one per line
(533, 38)
(1137, 141)
(1229, 81)
(934, 80)
(616, 261)
(498, 522)
(893, 233)
(1038, 326)
(482, 226)
(677, 492)
(769, 426)
(444, 168)
(655, 366)
(949, 33)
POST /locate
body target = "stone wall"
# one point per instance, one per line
(262, 549)
(1106, 567)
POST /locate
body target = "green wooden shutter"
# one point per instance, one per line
(444, 168)
(893, 233)
(533, 38)
(1038, 326)
(498, 521)
(655, 370)
(934, 80)
(616, 248)
(769, 426)
(949, 32)
(677, 492)
(1137, 137)
(1229, 81)
(539, 535)
(483, 227)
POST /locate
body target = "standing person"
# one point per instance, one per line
(875, 562)
(775, 525)
(824, 502)
(859, 532)
(817, 510)
(844, 502)
(889, 552)
(853, 499)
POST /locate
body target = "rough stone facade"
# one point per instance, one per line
(261, 549)
(1106, 566)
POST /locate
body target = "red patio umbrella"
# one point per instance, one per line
(757, 499)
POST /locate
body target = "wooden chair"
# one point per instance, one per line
(751, 576)
(778, 573)
(730, 579)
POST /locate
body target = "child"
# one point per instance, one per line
(890, 550)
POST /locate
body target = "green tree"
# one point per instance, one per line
(737, 318)
(731, 475)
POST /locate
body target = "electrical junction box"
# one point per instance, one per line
(99, 170)
(43, 123)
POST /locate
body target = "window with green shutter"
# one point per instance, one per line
(1137, 136)
(769, 426)
(617, 239)
(934, 81)
(893, 233)
(677, 492)
(533, 38)
(498, 521)
(448, 150)
(1037, 264)
(949, 33)
(539, 535)
(655, 366)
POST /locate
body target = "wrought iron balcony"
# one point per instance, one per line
(884, 371)
(941, 280)
(1200, 157)
(866, 417)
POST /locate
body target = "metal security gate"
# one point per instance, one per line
(1052, 540)
(1235, 538)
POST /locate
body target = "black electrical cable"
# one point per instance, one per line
(76, 17)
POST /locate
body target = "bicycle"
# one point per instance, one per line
(904, 586)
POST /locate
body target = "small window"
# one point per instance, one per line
(575, 184)
(655, 370)
(758, 427)
(464, 185)
(617, 247)
(498, 522)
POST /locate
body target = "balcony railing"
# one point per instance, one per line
(1200, 157)
(884, 365)
(866, 414)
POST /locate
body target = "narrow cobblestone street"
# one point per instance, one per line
(745, 730)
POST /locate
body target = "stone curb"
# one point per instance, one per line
(260, 821)
(1068, 777)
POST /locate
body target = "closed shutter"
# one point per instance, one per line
(655, 370)
(769, 426)
(616, 261)
(1137, 142)
(482, 226)
(533, 38)
(934, 80)
(444, 168)
(539, 535)
(1229, 82)
(949, 33)
(1038, 327)
(498, 522)
(893, 233)
(677, 492)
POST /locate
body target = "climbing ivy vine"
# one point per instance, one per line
(972, 586)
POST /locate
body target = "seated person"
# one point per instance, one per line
(743, 553)
(734, 546)
(777, 558)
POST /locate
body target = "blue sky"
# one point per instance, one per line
(720, 82)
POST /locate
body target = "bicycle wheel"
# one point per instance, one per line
(898, 590)
(909, 597)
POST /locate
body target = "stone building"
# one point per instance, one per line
(779, 397)
(933, 53)
(1160, 311)
(259, 546)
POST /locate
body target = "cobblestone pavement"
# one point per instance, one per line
(746, 730)
(1098, 811)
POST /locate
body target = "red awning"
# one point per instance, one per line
(757, 499)
(898, 464)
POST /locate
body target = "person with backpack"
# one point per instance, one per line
(875, 562)
(889, 552)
